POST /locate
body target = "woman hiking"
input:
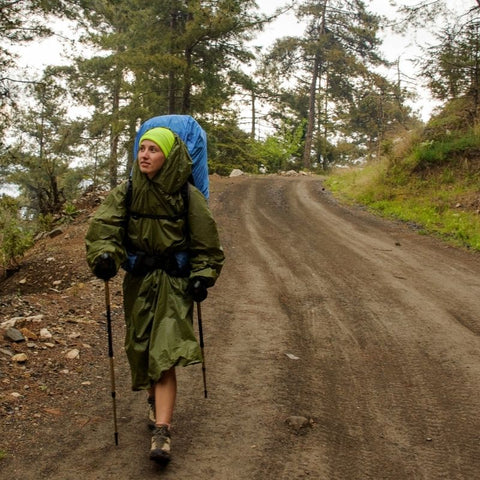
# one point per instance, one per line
(159, 228)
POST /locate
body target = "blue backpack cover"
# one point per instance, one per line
(194, 137)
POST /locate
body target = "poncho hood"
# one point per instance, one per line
(174, 173)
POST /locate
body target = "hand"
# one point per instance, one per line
(105, 267)
(197, 288)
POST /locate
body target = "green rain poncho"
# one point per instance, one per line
(158, 309)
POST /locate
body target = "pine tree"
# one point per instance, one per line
(45, 142)
(20, 23)
(451, 65)
(330, 61)
(156, 58)
(340, 44)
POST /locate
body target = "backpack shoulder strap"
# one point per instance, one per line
(128, 195)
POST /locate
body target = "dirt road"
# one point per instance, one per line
(363, 327)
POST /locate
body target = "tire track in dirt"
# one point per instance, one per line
(364, 316)
(310, 296)
(244, 352)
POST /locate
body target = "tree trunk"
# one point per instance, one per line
(254, 127)
(171, 73)
(312, 94)
(171, 92)
(187, 82)
(114, 134)
(130, 158)
(311, 113)
(113, 158)
(476, 74)
(325, 123)
(56, 194)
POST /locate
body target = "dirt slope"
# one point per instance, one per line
(366, 329)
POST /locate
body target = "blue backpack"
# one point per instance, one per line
(194, 137)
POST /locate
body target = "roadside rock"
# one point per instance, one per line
(45, 334)
(72, 354)
(21, 321)
(28, 334)
(8, 323)
(236, 173)
(20, 358)
(6, 352)
(298, 423)
(55, 232)
(14, 335)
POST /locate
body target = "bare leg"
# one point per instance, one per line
(165, 391)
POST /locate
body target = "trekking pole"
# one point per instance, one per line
(110, 354)
(200, 334)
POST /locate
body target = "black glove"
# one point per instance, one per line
(197, 288)
(105, 267)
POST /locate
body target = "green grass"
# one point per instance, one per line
(2, 454)
(436, 205)
(430, 177)
(438, 152)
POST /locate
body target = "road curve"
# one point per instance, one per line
(365, 328)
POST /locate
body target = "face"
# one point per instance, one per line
(150, 158)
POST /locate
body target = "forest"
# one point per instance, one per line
(329, 102)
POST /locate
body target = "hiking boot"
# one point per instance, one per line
(160, 449)
(151, 412)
